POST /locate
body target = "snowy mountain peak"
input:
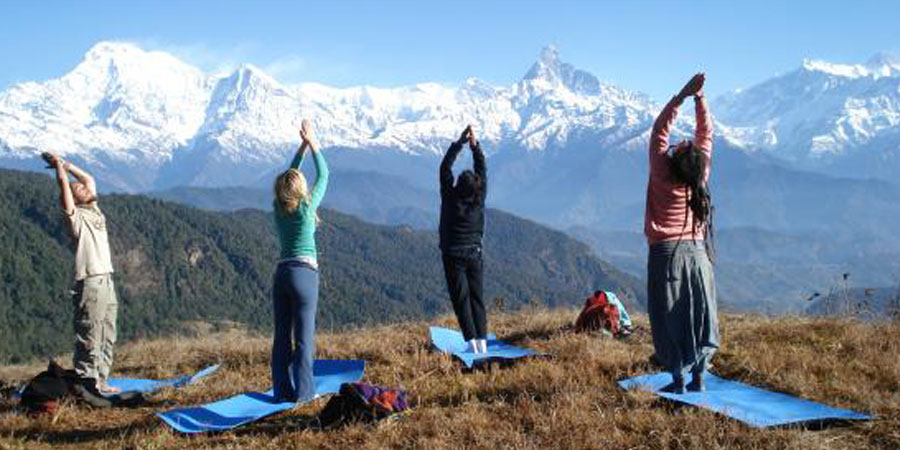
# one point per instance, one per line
(841, 70)
(819, 112)
(884, 63)
(547, 68)
(249, 70)
(124, 56)
(249, 76)
(550, 55)
(880, 65)
(111, 50)
(550, 69)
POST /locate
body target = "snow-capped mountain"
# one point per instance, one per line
(819, 113)
(126, 107)
(119, 98)
(144, 120)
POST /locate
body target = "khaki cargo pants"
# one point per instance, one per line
(96, 309)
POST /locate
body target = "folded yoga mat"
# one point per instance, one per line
(452, 342)
(754, 406)
(147, 386)
(252, 406)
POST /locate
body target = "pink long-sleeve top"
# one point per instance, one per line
(664, 219)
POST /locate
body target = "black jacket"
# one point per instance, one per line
(462, 218)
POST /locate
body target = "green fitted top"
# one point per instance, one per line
(297, 230)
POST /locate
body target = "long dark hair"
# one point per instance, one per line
(687, 166)
(469, 185)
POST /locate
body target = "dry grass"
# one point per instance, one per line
(568, 402)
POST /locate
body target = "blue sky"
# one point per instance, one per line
(651, 46)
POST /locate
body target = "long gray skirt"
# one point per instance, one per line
(681, 297)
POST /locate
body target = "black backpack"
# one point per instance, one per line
(43, 393)
(45, 390)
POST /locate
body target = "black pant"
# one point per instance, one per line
(464, 272)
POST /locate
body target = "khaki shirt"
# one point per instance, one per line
(88, 225)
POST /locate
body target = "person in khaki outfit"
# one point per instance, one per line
(94, 294)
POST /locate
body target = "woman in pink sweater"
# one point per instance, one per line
(680, 283)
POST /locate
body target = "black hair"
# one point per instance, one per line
(688, 166)
(469, 185)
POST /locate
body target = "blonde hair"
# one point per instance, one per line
(291, 191)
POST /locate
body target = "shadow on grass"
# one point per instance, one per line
(492, 364)
(639, 335)
(369, 356)
(538, 334)
(492, 395)
(278, 425)
(40, 434)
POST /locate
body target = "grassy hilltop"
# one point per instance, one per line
(568, 402)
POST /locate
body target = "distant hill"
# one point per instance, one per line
(765, 271)
(387, 199)
(176, 265)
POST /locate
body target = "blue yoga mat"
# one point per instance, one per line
(452, 342)
(127, 385)
(249, 407)
(754, 406)
(147, 386)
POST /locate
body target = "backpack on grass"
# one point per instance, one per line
(604, 312)
(44, 392)
(362, 402)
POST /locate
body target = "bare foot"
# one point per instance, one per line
(106, 389)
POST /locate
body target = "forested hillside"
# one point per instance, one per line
(176, 265)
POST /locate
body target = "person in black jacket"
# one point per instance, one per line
(461, 232)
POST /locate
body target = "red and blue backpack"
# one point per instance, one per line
(600, 314)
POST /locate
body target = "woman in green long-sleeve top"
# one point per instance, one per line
(296, 284)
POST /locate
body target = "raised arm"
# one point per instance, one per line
(478, 162)
(446, 173)
(318, 190)
(306, 137)
(66, 200)
(446, 170)
(85, 178)
(703, 133)
(298, 157)
(659, 137)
